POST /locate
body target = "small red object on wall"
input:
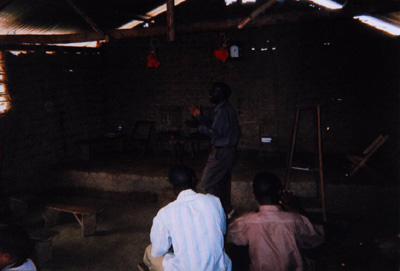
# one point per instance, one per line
(152, 60)
(222, 54)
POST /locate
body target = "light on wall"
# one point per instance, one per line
(266, 139)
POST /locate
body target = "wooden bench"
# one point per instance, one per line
(85, 215)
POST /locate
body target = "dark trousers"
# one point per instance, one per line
(216, 179)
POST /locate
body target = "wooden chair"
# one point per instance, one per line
(169, 127)
(360, 161)
(141, 135)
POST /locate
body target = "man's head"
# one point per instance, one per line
(266, 188)
(181, 178)
(15, 246)
(219, 92)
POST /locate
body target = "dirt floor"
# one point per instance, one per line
(368, 241)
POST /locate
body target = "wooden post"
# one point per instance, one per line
(170, 20)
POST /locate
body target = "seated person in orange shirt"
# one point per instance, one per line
(274, 237)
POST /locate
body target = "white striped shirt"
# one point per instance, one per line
(195, 225)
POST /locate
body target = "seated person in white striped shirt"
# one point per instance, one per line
(188, 233)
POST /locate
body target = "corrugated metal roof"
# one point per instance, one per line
(49, 17)
(58, 17)
(40, 17)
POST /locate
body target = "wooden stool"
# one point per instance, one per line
(43, 244)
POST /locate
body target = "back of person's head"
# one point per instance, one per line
(267, 186)
(15, 241)
(181, 177)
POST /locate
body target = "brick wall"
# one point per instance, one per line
(348, 69)
(57, 100)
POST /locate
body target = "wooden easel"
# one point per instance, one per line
(319, 168)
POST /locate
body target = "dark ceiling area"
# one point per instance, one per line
(62, 17)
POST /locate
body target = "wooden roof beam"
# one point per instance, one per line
(50, 39)
(139, 32)
(273, 19)
(84, 16)
(257, 12)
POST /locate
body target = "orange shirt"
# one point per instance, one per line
(274, 237)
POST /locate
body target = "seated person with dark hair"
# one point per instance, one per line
(274, 236)
(192, 226)
(15, 249)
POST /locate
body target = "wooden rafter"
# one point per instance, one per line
(50, 39)
(257, 12)
(84, 16)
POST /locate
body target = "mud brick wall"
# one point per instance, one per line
(57, 99)
(347, 69)
(351, 71)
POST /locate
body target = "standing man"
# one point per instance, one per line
(225, 133)
(188, 233)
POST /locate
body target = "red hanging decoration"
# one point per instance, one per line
(222, 54)
(152, 60)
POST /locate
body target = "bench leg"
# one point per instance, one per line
(51, 217)
(89, 224)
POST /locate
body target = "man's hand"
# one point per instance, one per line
(194, 110)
